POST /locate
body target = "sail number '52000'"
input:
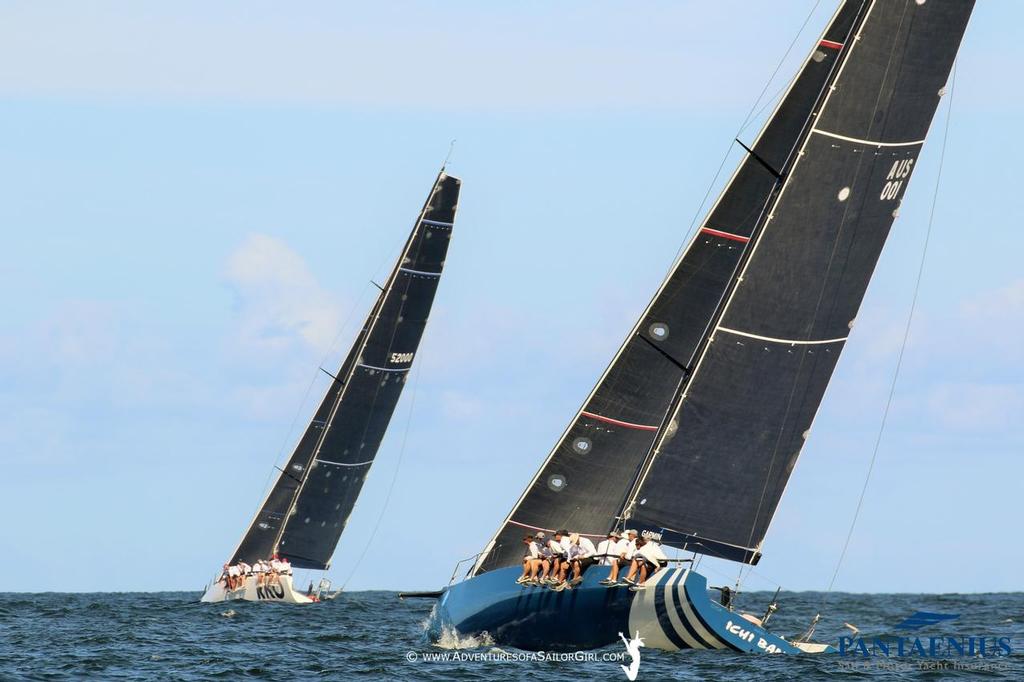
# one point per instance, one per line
(401, 357)
(894, 181)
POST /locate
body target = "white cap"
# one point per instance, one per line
(631, 532)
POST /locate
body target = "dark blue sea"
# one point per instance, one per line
(374, 635)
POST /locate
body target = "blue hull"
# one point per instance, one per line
(673, 612)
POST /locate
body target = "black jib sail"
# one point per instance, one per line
(305, 512)
(587, 477)
(591, 479)
(718, 470)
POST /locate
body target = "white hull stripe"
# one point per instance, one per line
(788, 342)
(696, 622)
(672, 595)
(619, 422)
(342, 464)
(383, 369)
(419, 272)
(870, 143)
(436, 223)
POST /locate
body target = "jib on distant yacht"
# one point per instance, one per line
(692, 431)
(305, 512)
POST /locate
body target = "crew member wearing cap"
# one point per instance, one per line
(647, 559)
(608, 552)
(557, 544)
(547, 556)
(581, 556)
(625, 550)
(244, 570)
(259, 569)
(277, 569)
(531, 561)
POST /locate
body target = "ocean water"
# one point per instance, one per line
(374, 635)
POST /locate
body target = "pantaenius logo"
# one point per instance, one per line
(944, 646)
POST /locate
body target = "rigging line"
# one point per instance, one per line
(710, 568)
(300, 409)
(747, 120)
(778, 67)
(903, 345)
(451, 150)
(394, 480)
(859, 24)
(305, 396)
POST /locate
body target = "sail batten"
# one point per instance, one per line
(306, 510)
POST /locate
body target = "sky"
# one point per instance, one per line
(196, 197)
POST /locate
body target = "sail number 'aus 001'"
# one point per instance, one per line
(897, 174)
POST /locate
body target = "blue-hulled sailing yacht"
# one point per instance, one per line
(696, 424)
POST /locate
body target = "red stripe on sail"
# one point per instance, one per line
(831, 43)
(725, 235)
(617, 422)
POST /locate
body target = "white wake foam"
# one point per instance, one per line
(451, 639)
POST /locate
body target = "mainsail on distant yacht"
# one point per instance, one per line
(305, 512)
(692, 432)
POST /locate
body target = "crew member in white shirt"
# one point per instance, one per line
(626, 548)
(531, 561)
(631, 538)
(582, 554)
(607, 548)
(565, 540)
(276, 570)
(565, 544)
(243, 572)
(259, 571)
(647, 559)
(558, 556)
(546, 556)
(608, 552)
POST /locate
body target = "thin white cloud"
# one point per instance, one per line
(279, 299)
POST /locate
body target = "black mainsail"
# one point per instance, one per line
(694, 428)
(305, 512)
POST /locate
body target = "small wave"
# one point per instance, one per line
(451, 639)
(230, 613)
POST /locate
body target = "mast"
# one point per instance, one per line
(721, 462)
(858, 9)
(305, 512)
